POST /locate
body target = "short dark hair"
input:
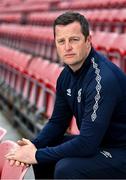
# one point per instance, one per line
(70, 17)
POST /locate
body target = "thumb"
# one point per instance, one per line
(21, 142)
(26, 141)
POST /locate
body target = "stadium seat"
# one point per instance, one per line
(117, 4)
(33, 87)
(63, 5)
(121, 20)
(102, 41)
(13, 172)
(5, 147)
(14, 64)
(53, 72)
(10, 18)
(112, 19)
(7, 171)
(117, 52)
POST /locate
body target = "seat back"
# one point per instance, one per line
(5, 147)
(13, 172)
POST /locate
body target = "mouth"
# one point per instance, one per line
(69, 55)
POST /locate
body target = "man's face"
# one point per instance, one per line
(71, 45)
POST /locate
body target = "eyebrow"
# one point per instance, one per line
(62, 38)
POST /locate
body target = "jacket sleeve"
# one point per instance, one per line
(57, 124)
(100, 102)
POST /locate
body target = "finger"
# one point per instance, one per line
(22, 164)
(17, 163)
(11, 157)
(10, 154)
(11, 162)
(27, 165)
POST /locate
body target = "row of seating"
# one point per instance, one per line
(34, 40)
(113, 20)
(21, 6)
(105, 19)
(27, 6)
(7, 171)
(94, 4)
(39, 41)
(8, 2)
(29, 2)
(12, 18)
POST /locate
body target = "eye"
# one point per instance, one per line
(61, 41)
(75, 39)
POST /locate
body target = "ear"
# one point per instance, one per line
(88, 41)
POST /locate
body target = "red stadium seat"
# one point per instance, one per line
(103, 41)
(7, 171)
(47, 74)
(40, 103)
(10, 17)
(13, 172)
(51, 77)
(13, 65)
(120, 20)
(63, 5)
(117, 52)
(37, 70)
(5, 147)
(53, 71)
(112, 20)
(107, 20)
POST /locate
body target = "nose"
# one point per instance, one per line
(68, 46)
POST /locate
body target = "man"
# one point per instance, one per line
(93, 90)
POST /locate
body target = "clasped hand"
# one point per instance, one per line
(23, 154)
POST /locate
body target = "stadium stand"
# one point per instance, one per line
(29, 65)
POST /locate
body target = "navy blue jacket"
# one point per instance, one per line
(96, 96)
